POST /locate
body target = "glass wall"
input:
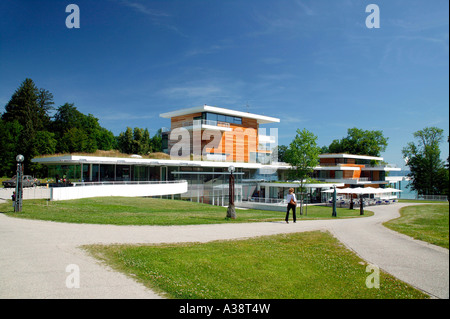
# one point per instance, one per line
(154, 173)
(107, 172)
(205, 184)
(86, 172)
(222, 118)
(123, 172)
(140, 173)
(95, 172)
(67, 172)
(90, 172)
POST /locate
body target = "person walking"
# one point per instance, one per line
(13, 198)
(292, 204)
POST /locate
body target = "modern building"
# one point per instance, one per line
(354, 170)
(204, 143)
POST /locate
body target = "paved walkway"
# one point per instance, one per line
(34, 254)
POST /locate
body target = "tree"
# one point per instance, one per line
(359, 142)
(77, 132)
(27, 128)
(28, 106)
(303, 156)
(105, 139)
(282, 149)
(156, 141)
(138, 141)
(9, 141)
(427, 171)
(45, 143)
(45, 105)
(125, 141)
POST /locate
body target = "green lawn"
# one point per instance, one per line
(302, 265)
(311, 265)
(152, 211)
(429, 223)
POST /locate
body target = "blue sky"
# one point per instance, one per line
(313, 64)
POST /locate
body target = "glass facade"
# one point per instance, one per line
(208, 185)
(221, 118)
(123, 172)
(105, 172)
(71, 172)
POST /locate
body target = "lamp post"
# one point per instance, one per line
(334, 202)
(19, 184)
(361, 206)
(231, 212)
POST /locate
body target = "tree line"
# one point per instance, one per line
(28, 128)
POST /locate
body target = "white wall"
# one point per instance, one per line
(126, 190)
(28, 192)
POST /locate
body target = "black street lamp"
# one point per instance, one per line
(19, 184)
(361, 206)
(231, 211)
(334, 202)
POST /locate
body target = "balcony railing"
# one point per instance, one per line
(381, 166)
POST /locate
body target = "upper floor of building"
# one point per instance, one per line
(353, 169)
(215, 133)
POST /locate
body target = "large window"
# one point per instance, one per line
(123, 172)
(211, 116)
(67, 172)
(140, 173)
(107, 172)
(222, 118)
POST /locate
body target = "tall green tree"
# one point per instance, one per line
(27, 128)
(156, 141)
(138, 141)
(423, 157)
(359, 142)
(125, 141)
(29, 106)
(9, 141)
(282, 149)
(77, 132)
(303, 156)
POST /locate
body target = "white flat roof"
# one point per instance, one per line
(262, 119)
(343, 155)
(77, 159)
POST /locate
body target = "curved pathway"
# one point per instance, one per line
(34, 254)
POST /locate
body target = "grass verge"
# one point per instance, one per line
(311, 265)
(429, 223)
(153, 211)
